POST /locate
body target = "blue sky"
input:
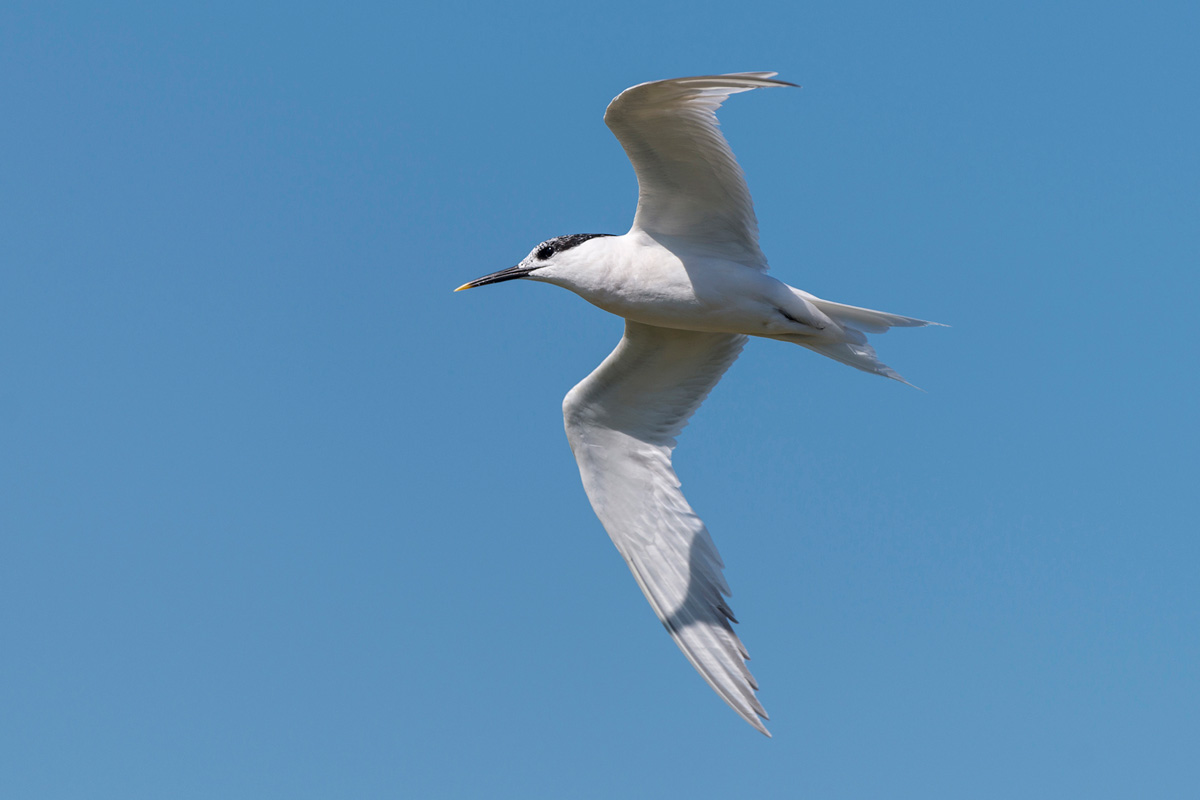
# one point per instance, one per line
(282, 516)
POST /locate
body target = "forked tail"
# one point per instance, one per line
(851, 347)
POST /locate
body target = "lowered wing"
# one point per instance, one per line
(621, 422)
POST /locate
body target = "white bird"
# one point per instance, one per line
(691, 283)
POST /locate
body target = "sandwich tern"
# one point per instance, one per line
(691, 283)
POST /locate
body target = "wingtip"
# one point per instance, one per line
(755, 718)
(770, 76)
(767, 77)
(896, 376)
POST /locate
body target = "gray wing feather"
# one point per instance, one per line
(622, 421)
(689, 183)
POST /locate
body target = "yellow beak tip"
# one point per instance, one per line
(464, 286)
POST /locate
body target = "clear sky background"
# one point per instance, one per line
(284, 517)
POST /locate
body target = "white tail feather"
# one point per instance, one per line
(859, 356)
(851, 347)
(866, 319)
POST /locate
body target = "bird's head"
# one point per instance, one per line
(555, 261)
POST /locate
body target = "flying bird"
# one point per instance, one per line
(692, 284)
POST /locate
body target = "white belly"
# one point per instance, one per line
(701, 296)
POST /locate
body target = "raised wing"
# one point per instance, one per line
(689, 183)
(622, 421)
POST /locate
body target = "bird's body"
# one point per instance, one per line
(691, 283)
(636, 277)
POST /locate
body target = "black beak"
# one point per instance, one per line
(498, 277)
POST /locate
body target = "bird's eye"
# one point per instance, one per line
(544, 252)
